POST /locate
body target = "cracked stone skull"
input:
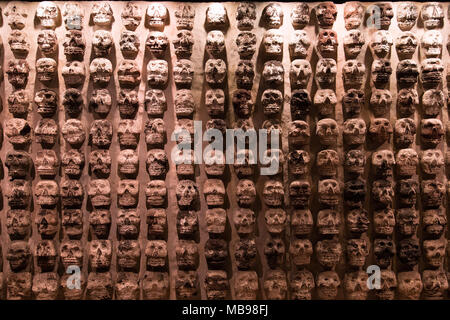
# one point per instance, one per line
(128, 255)
(328, 222)
(155, 285)
(18, 72)
(127, 286)
(245, 253)
(407, 221)
(409, 252)
(381, 72)
(214, 191)
(326, 70)
(353, 43)
(48, 14)
(299, 44)
(131, 16)
(157, 43)
(300, 193)
(380, 102)
(72, 193)
(245, 15)
(327, 284)
(409, 285)
(245, 192)
(381, 43)
(326, 14)
(215, 102)
(431, 132)
(407, 14)
(300, 15)
(300, 104)
(101, 133)
(406, 162)
(216, 253)
(155, 102)
(18, 43)
(327, 131)
(100, 163)
(128, 162)
(187, 193)
(380, 130)
(102, 14)
(245, 74)
(45, 253)
(244, 221)
(357, 221)
(74, 45)
(100, 71)
(101, 102)
(273, 16)
(432, 15)
(431, 43)
(273, 43)
(215, 43)
(129, 74)
(329, 192)
(215, 72)
(157, 222)
(404, 132)
(215, 221)
(155, 193)
(184, 103)
(242, 103)
(327, 43)
(157, 73)
(99, 286)
(72, 223)
(384, 221)
(384, 252)
(128, 103)
(302, 283)
(406, 44)
(72, 101)
(46, 193)
(274, 250)
(100, 253)
(18, 255)
(434, 222)
(433, 193)
(276, 219)
(272, 102)
(99, 191)
(433, 102)
(128, 223)
(353, 15)
(71, 253)
(301, 251)
(46, 163)
(156, 15)
(156, 253)
(102, 43)
(246, 44)
(407, 102)
(18, 132)
(383, 163)
(357, 252)
(183, 73)
(383, 192)
(300, 73)
(128, 193)
(354, 132)
(352, 102)
(353, 73)
(435, 283)
(431, 161)
(216, 285)
(327, 161)
(187, 255)
(18, 103)
(73, 73)
(16, 16)
(18, 223)
(157, 163)
(273, 193)
(431, 75)
(434, 252)
(100, 222)
(155, 132)
(246, 285)
(183, 43)
(18, 164)
(128, 133)
(46, 101)
(46, 69)
(216, 16)
(184, 16)
(355, 192)
(355, 285)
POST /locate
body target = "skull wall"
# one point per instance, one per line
(90, 180)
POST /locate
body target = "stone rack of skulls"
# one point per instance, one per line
(100, 200)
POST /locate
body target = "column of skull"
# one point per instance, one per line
(156, 277)
(187, 194)
(46, 190)
(382, 158)
(275, 282)
(216, 247)
(18, 161)
(301, 219)
(100, 282)
(432, 186)
(245, 277)
(354, 135)
(328, 219)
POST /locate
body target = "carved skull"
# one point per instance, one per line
(300, 15)
(127, 286)
(327, 131)
(215, 43)
(388, 285)
(327, 284)
(102, 43)
(215, 72)
(435, 283)
(273, 16)
(357, 221)
(431, 131)
(353, 73)
(384, 251)
(73, 73)
(129, 74)
(100, 163)
(183, 73)
(353, 43)
(128, 162)
(102, 14)
(326, 70)
(274, 250)
(273, 43)
(100, 102)
(46, 193)
(18, 223)
(406, 44)
(187, 255)
(100, 252)
(326, 13)
(357, 252)
(46, 163)
(184, 16)
(99, 286)
(384, 221)
(407, 102)
(99, 191)
(381, 72)
(432, 15)
(300, 73)
(18, 164)
(18, 72)
(433, 102)
(157, 222)
(383, 163)
(407, 14)
(16, 16)
(245, 253)
(273, 193)
(352, 102)
(407, 221)
(382, 190)
(409, 285)
(302, 283)
(183, 43)
(431, 75)
(327, 162)
(431, 44)
(155, 102)
(128, 193)
(155, 285)
(299, 44)
(73, 102)
(215, 221)
(18, 132)
(128, 255)
(328, 222)
(245, 74)
(101, 133)
(353, 15)
(18, 43)
(128, 133)
(157, 73)
(157, 43)
(74, 45)
(187, 193)
(355, 193)
(216, 253)
(18, 103)
(155, 132)
(380, 130)
(72, 222)
(156, 253)
(72, 193)
(354, 131)
(156, 15)
(246, 44)
(48, 14)
(327, 43)
(406, 161)
(216, 16)
(244, 220)
(404, 132)
(131, 16)
(434, 222)
(299, 193)
(381, 43)
(409, 252)
(71, 253)
(329, 192)
(46, 101)
(431, 161)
